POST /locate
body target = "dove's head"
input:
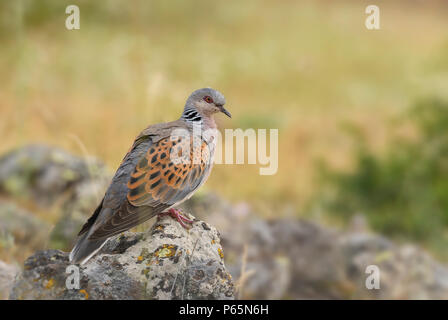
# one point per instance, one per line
(207, 101)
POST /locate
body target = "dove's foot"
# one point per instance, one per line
(176, 214)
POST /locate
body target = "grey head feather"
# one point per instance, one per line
(199, 94)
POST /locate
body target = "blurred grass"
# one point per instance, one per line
(308, 68)
(402, 192)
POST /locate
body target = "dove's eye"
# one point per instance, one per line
(208, 99)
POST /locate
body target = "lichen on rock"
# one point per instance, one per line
(166, 262)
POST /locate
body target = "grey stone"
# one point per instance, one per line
(287, 258)
(75, 211)
(324, 264)
(20, 228)
(7, 276)
(166, 262)
(43, 174)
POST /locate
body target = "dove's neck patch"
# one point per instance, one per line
(191, 115)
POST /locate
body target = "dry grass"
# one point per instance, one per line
(307, 68)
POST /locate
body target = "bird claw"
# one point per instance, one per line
(176, 214)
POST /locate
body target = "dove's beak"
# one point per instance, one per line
(223, 110)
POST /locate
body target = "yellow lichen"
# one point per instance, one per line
(383, 256)
(221, 254)
(166, 251)
(68, 175)
(213, 241)
(50, 284)
(139, 258)
(84, 292)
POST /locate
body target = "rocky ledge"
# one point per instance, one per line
(166, 262)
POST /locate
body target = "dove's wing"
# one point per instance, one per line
(115, 196)
(117, 191)
(166, 174)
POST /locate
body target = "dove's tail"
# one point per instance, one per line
(85, 249)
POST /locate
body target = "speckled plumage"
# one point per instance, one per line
(150, 178)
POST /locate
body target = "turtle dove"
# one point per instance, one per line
(162, 169)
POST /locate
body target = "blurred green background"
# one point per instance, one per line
(362, 115)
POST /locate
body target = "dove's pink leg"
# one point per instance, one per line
(176, 214)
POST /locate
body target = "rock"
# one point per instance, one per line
(75, 211)
(407, 272)
(299, 259)
(43, 174)
(49, 180)
(7, 275)
(166, 262)
(20, 228)
(314, 262)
